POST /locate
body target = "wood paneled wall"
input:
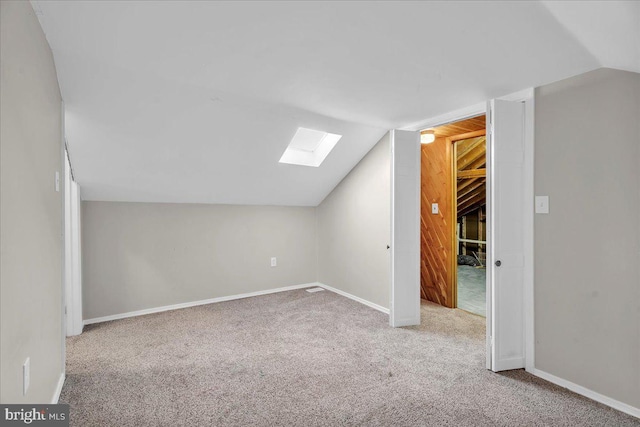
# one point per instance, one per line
(435, 230)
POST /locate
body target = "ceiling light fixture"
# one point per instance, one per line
(309, 147)
(427, 137)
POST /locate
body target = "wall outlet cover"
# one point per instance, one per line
(542, 204)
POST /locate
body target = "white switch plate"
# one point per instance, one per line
(542, 204)
(58, 182)
(274, 262)
(434, 208)
(26, 376)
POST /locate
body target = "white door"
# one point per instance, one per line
(405, 220)
(68, 245)
(76, 255)
(72, 254)
(506, 213)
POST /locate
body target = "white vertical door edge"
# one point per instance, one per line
(72, 289)
(76, 263)
(529, 208)
(68, 250)
(405, 225)
(63, 245)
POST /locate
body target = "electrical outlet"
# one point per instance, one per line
(542, 204)
(274, 262)
(26, 376)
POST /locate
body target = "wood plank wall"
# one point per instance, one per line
(435, 235)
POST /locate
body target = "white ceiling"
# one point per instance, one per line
(196, 101)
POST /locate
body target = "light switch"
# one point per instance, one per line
(434, 208)
(542, 204)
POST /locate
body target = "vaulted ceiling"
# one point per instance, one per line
(196, 101)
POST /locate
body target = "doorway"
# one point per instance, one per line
(470, 199)
(509, 204)
(509, 184)
(453, 214)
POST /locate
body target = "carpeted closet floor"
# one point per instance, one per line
(305, 359)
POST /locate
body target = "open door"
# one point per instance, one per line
(405, 222)
(506, 228)
(73, 254)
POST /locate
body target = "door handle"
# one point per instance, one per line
(498, 263)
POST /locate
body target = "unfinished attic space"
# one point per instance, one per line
(453, 215)
(471, 229)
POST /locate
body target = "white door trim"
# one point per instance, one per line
(72, 254)
(76, 261)
(527, 96)
(68, 252)
(63, 245)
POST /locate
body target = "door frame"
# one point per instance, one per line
(527, 97)
(453, 218)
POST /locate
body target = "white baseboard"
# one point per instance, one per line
(194, 303)
(230, 298)
(355, 298)
(615, 404)
(58, 390)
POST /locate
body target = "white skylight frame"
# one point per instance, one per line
(309, 147)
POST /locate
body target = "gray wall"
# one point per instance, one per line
(30, 209)
(587, 250)
(146, 255)
(354, 228)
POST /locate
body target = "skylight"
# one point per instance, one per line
(309, 147)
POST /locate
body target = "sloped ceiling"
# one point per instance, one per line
(196, 101)
(610, 31)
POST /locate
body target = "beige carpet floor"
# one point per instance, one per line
(305, 359)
